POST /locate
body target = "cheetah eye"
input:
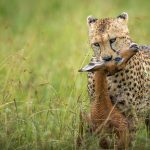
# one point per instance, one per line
(112, 40)
(96, 44)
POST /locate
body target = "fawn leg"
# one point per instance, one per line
(123, 142)
(80, 136)
(84, 119)
(147, 123)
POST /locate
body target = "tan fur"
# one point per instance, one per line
(104, 115)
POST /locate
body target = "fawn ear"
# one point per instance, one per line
(123, 16)
(90, 20)
(92, 67)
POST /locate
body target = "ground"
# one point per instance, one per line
(42, 46)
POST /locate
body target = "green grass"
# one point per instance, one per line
(43, 43)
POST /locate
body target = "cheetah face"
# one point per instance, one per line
(114, 65)
(108, 36)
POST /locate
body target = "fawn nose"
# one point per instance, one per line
(107, 58)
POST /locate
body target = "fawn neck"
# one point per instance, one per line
(101, 88)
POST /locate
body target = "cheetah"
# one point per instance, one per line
(129, 89)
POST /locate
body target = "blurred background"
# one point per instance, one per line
(43, 43)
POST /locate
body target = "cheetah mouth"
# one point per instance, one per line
(98, 65)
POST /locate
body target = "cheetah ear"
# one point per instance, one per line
(123, 16)
(91, 19)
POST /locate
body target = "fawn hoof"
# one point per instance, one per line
(104, 143)
(79, 141)
(147, 123)
(134, 47)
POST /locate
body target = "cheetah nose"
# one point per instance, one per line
(107, 58)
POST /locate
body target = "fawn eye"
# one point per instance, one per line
(112, 40)
(96, 44)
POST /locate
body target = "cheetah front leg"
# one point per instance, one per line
(133, 121)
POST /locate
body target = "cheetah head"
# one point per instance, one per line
(108, 36)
